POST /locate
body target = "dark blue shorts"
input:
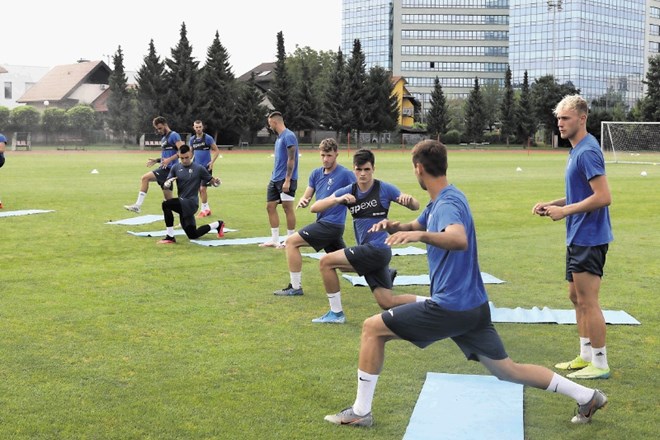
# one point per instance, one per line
(274, 190)
(322, 235)
(585, 259)
(2, 160)
(161, 175)
(372, 262)
(423, 323)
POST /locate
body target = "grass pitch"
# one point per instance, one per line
(110, 336)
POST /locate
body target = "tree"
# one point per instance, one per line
(438, 115)
(251, 114)
(651, 102)
(508, 109)
(474, 114)
(526, 124)
(4, 117)
(54, 120)
(356, 93)
(309, 109)
(218, 87)
(24, 118)
(334, 115)
(151, 89)
(491, 96)
(181, 99)
(381, 103)
(320, 67)
(281, 93)
(545, 95)
(120, 102)
(81, 119)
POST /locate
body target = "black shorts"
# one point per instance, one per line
(2, 160)
(322, 235)
(423, 323)
(372, 262)
(274, 191)
(585, 259)
(161, 175)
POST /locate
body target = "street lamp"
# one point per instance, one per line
(554, 6)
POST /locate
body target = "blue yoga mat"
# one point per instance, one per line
(23, 212)
(231, 241)
(419, 280)
(547, 315)
(410, 250)
(467, 407)
(141, 220)
(163, 233)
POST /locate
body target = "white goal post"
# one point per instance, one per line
(630, 142)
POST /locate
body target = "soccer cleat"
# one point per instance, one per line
(204, 213)
(132, 208)
(1, 205)
(576, 364)
(393, 274)
(268, 244)
(167, 240)
(348, 417)
(221, 228)
(289, 291)
(590, 372)
(331, 318)
(586, 411)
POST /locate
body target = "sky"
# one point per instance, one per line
(48, 33)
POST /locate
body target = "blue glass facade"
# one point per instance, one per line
(369, 21)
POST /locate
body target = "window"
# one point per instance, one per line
(8, 90)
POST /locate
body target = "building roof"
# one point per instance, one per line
(3, 70)
(264, 75)
(61, 81)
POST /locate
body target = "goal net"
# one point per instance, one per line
(630, 142)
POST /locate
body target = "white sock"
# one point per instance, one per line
(585, 349)
(205, 206)
(140, 199)
(296, 279)
(290, 232)
(335, 301)
(421, 298)
(365, 393)
(214, 225)
(599, 358)
(170, 231)
(275, 235)
(559, 384)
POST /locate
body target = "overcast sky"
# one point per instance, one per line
(52, 32)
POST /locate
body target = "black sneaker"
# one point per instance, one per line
(221, 229)
(393, 274)
(167, 240)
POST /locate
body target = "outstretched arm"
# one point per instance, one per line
(453, 237)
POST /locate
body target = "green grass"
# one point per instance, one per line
(108, 336)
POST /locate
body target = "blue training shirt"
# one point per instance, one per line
(202, 148)
(3, 139)
(168, 147)
(456, 282)
(285, 140)
(361, 225)
(324, 185)
(586, 161)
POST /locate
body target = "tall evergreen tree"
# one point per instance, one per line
(545, 94)
(281, 92)
(251, 113)
(381, 103)
(334, 108)
(356, 91)
(309, 108)
(181, 100)
(437, 118)
(151, 89)
(474, 116)
(120, 102)
(651, 103)
(526, 123)
(508, 109)
(219, 93)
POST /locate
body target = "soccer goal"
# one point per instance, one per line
(630, 142)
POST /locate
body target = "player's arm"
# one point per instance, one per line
(330, 201)
(452, 238)
(290, 164)
(393, 226)
(541, 207)
(408, 201)
(2, 147)
(215, 152)
(306, 198)
(600, 198)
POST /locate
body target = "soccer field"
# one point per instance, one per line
(105, 335)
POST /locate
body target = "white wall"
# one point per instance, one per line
(21, 78)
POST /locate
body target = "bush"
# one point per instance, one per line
(451, 137)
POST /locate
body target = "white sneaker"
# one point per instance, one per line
(132, 208)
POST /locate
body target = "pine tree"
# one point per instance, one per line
(524, 114)
(120, 102)
(356, 78)
(438, 115)
(180, 106)
(508, 109)
(651, 102)
(474, 117)
(251, 114)
(281, 92)
(381, 103)
(151, 90)
(334, 115)
(219, 92)
(309, 109)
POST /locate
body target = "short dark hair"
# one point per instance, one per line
(432, 155)
(159, 120)
(363, 156)
(183, 149)
(274, 114)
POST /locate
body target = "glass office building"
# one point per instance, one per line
(369, 21)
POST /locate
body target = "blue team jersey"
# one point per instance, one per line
(456, 282)
(585, 161)
(3, 139)
(168, 147)
(325, 185)
(202, 148)
(285, 140)
(376, 208)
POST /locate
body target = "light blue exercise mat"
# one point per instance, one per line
(547, 315)
(177, 232)
(141, 220)
(418, 280)
(231, 241)
(466, 407)
(410, 250)
(23, 212)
